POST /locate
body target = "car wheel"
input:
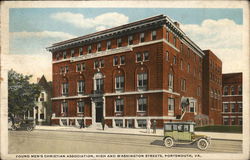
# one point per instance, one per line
(29, 128)
(13, 128)
(202, 144)
(169, 142)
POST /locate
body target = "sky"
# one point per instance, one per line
(34, 29)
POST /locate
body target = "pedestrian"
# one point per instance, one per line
(82, 123)
(148, 126)
(154, 126)
(103, 123)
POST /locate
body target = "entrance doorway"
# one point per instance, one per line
(99, 111)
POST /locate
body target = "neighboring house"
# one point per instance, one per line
(43, 110)
(148, 69)
(232, 99)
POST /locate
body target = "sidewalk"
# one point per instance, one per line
(136, 131)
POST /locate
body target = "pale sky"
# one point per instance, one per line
(34, 29)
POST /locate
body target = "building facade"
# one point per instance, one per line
(232, 99)
(147, 69)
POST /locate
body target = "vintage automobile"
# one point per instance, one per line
(183, 132)
(28, 125)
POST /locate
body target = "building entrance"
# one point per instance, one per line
(99, 111)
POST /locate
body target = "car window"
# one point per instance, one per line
(180, 128)
(191, 128)
(174, 127)
(185, 128)
(168, 127)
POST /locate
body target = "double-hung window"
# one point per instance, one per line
(239, 107)
(80, 51)
(96, 64)
(122, 60)
(183, 84)
(119, 42)
(232, 90)
(80, 106)
(99, 84)
(142, 81)
(130, 40)
(64, 107)
(108, 45)
(119, 105)
(119, 83)
(83, 66)
(192, 107)
(64, 54)
(138, 57)
(80, 87)
(142, 104)
(170, 81)
(89, 49)
(115, 60)
(142, 39)
(232, 107)
(99, 46)
(225, 90)
(78, 67)
(72, 53)
(146, 56)
(154, 35)
(65, 89)
(225, 107)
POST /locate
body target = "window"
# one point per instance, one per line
(89, 49)
(225, 107)
(80, 106)
(64, 54)
(232, 107)
(57, 56)
(142, 81)
(72, 53)
(130, 40)
(191, 107)
(233, 121)
(174, 60)
(188, 68)
(66, 69)
(154, 35)
(119, 42)
(142, 123)
(181, 49)
(101, 63)
(199, 91)
(225, 121)
(80, 87)
(138, 57)
(80, 51)
(170, 81)
(175, 41)
(232, 90)
(239, 107)
(240, 121)
(65, 89)
(240, 90)
(115, 60)
(168, 127)
(83, 66)
(142, 37)
(119, 123)
(170, 104)
(225, 90)
(61, 70)
(96, 64)
(146, 56)
(122, 60)
(78, 67)
(181, 64)
(108, 45)
(119, 82)
(167, 36)
(99, 47)
(183, 84)
(142, 104)
(119, 105)
(64, 107)
(167, 56)
(99, 84)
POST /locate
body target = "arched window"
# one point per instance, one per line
(98, 82)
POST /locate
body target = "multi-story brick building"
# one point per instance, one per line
(232, 99)
(148, 69)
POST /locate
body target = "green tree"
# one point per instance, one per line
(21, 93)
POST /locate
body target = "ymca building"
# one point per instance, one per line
(148, 69)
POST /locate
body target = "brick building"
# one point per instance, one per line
(148, 69)
(232, 99)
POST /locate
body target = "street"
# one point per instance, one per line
(57, 142)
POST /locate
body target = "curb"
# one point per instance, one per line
(127, 134)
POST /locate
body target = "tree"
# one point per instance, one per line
(21, 93)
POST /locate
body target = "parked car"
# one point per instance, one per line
(183, 132)
(28, 125)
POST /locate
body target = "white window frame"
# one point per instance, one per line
(121, 60)
(170, 81)
(120, 81)
(80, 86)
(183, 85)
(167, 35)
(130, 38)
(115, 59)
(142, 101)
(80, 104)
(142, 77)
(144, 55)
(65, 88)
(83, 66)
(190, 106)
(108, 47)
(64, 107)
(99, 47)
(153, 34)
(141, 56)
(119, 42)
(224, 107)
(80, 51)
(119, 105)
(64, 54)
(96, 62)
(142, 37)
(171, 105)
(233, 106)
(72, 52)
(78, 67)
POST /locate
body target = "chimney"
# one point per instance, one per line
(177, 24)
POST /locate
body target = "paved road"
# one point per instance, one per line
(78, 142)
